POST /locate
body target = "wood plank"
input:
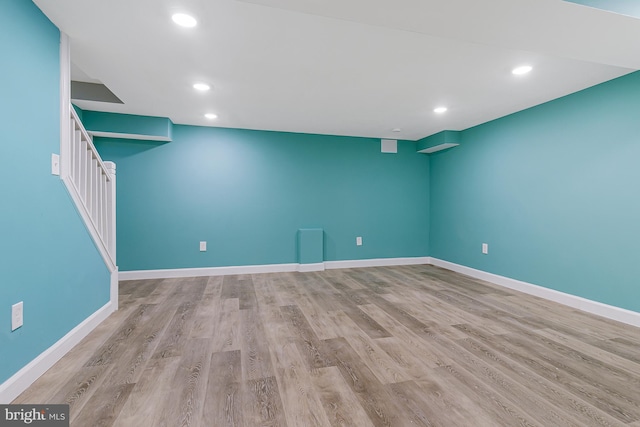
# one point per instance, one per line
(417, 342)
(443, 405)
(263, 406)
(341, 280)
(144, 288)
(126, 287)
(369, 326)
(405, 359)
(400, 315)
(620, 347)
(103, 412)
(224, 397)
(412, 398)
(525, 355)
(614, 389)
(311, 348)
(339, 402)
(564, 401)
(371, 281)
(533, 407)
(288, 288)
(265, 293)
(113, 347)
(315, 302)
(177, 332)
(377, 360)
(373, 397)
(190, 289)
(207, 312)
(78, 390)
(300, 401)
(230, 286)
(349, 301)
(231, 304)
(149, 394)
(247, 294)
(321, 293)
(214, 285)
(185, 402)
(493, 404)
(595, 358)
(256, 359)
(226, 331)
(133, 357)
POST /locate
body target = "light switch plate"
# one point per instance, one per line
(485, 248)
(16, 315)
(55, 164)
(359, 241)
(203, 246)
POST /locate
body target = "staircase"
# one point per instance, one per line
(92, 186)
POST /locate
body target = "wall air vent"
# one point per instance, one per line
(83, 91)
(389, 145)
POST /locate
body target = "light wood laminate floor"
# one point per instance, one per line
(387, 346)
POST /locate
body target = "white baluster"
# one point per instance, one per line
(84, 172)
(111, 212)
(72, 151)
(94, 189)
(100, 203)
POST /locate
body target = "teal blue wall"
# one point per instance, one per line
(310, 245)
(79, 111)
(248, 192)
(554, 192)
(47, 257)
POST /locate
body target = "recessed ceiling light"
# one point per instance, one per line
(522, 70)
(395, 130)
(440, 110)
(211, 116)
(201, 86)
(184, 20)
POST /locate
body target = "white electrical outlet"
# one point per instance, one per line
(359, 241)
(16, 315)
(485, 248)
(203, 246)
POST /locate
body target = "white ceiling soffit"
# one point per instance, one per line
(356, 67)
(550, 27)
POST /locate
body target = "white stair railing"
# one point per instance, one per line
(92, 185)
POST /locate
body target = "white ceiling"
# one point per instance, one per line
(342, 67)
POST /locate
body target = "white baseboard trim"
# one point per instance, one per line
(11, 388)
(305, 268)
(267, 268)
(594, 307)
(377, 262)
(208, 271)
